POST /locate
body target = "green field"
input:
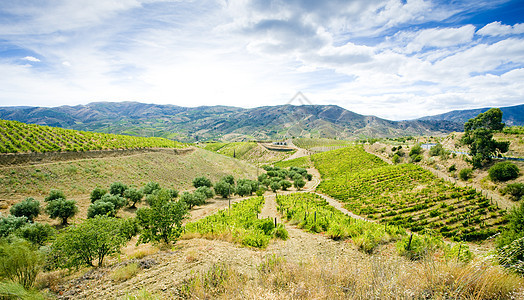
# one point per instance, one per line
(318, 143)
(17, 137)
(406, 195)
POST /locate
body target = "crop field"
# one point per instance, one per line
(239, 224)
(248, 151)
(315, 144)
(236, 149)
(409, 196)
(312, 213)
(301, 162)
(341, 161)
(17, 137)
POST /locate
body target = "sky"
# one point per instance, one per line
(395, 59)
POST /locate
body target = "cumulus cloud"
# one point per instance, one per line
(498, 29)
(441, 37)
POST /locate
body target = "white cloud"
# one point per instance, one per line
(498, 29)
(31, 58)
(441, 37)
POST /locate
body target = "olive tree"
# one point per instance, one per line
(29, 208)
(61, 209)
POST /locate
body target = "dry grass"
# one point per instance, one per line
(125, 272)
(373, 278)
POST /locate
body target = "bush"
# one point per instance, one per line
(285, 184)
(36, 233)
(420, 247)
(117, 201)
(515, 190)
(223, 188)
(54, 195)
(503, 171)
(162, 221)
(395, 159)
(465, 173)
(29, 208)
(243, 189)
(275, 186)
(134, 196)
(10, 224)
(97, 193)
(101, 208)
(117, 188)
(91, 240)
(61, 208)
(19, 262)
(452, 168)
(150, 188)
(202, 181)
(299, 184)
(207, 191)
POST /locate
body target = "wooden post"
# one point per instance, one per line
(409, 243)
(315, 216)
(458, 255)
(275, 222)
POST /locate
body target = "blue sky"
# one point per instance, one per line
(396, 59)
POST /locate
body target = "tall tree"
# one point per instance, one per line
(479, 137)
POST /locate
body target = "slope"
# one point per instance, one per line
(511, 115)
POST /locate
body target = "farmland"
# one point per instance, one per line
(409, 196)
(247, 151)
(17, 137)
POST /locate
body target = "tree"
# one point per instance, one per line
(299, 184)
(223, 188)
(285, 184)
(162, 222)
(202, 181)
(29, 208)
(61, 208)
(97, 193)
(503, 171)
(134, 196)
(36, 233)
(54, 194)
(117, 188)
(193, 199)
(274, 186)
(416, 153)
(465, 173)
(229, 179)
(243, 189)
(510, 243)
(10, 224)
(91, 240)
(101, 208)
(478, 136)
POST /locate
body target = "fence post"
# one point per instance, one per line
(275, 222)
(409, 243)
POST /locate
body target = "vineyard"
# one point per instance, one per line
(346, 160)
(239, 224)
(318, 144)
(236, 149)
(406, 195)
(17, 137)
(301, 162)
(314, 214)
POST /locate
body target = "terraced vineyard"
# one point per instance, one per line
(301, 162)
(17, 137)
(341, 161)
(236, 149)
(315, 144)
(409, 196)
(314, 214)
(239, 224)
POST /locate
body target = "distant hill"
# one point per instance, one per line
(511, 115)
(223, 122)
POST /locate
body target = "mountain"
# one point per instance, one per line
(511, 115)
(223, 122)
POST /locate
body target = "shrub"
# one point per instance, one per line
(281, 232)
(202, 181)
(61, 208)
(117, 188)
(395, 159)
(503, 171)
(162, 221)
(101, 208)
(36, 233)
(134, 196)
(465, 173)
(452, 168)
(515, 190)
(10, 224)
(150, 188)
(97, 193)
(285, 184)
(126, 272)
(299, 184)
(91, 240)
(29, 208)
(417, 246)
(223, 188)
(243, 189)
(117, 201)
(275, 186)
(54, 195)
(207, 191)
(19, 262)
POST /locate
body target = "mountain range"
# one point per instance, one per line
(189, 124)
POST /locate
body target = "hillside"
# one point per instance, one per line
(222, 122)
(16, 137)
(511, 115)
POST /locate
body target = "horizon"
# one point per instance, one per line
(394, 59)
